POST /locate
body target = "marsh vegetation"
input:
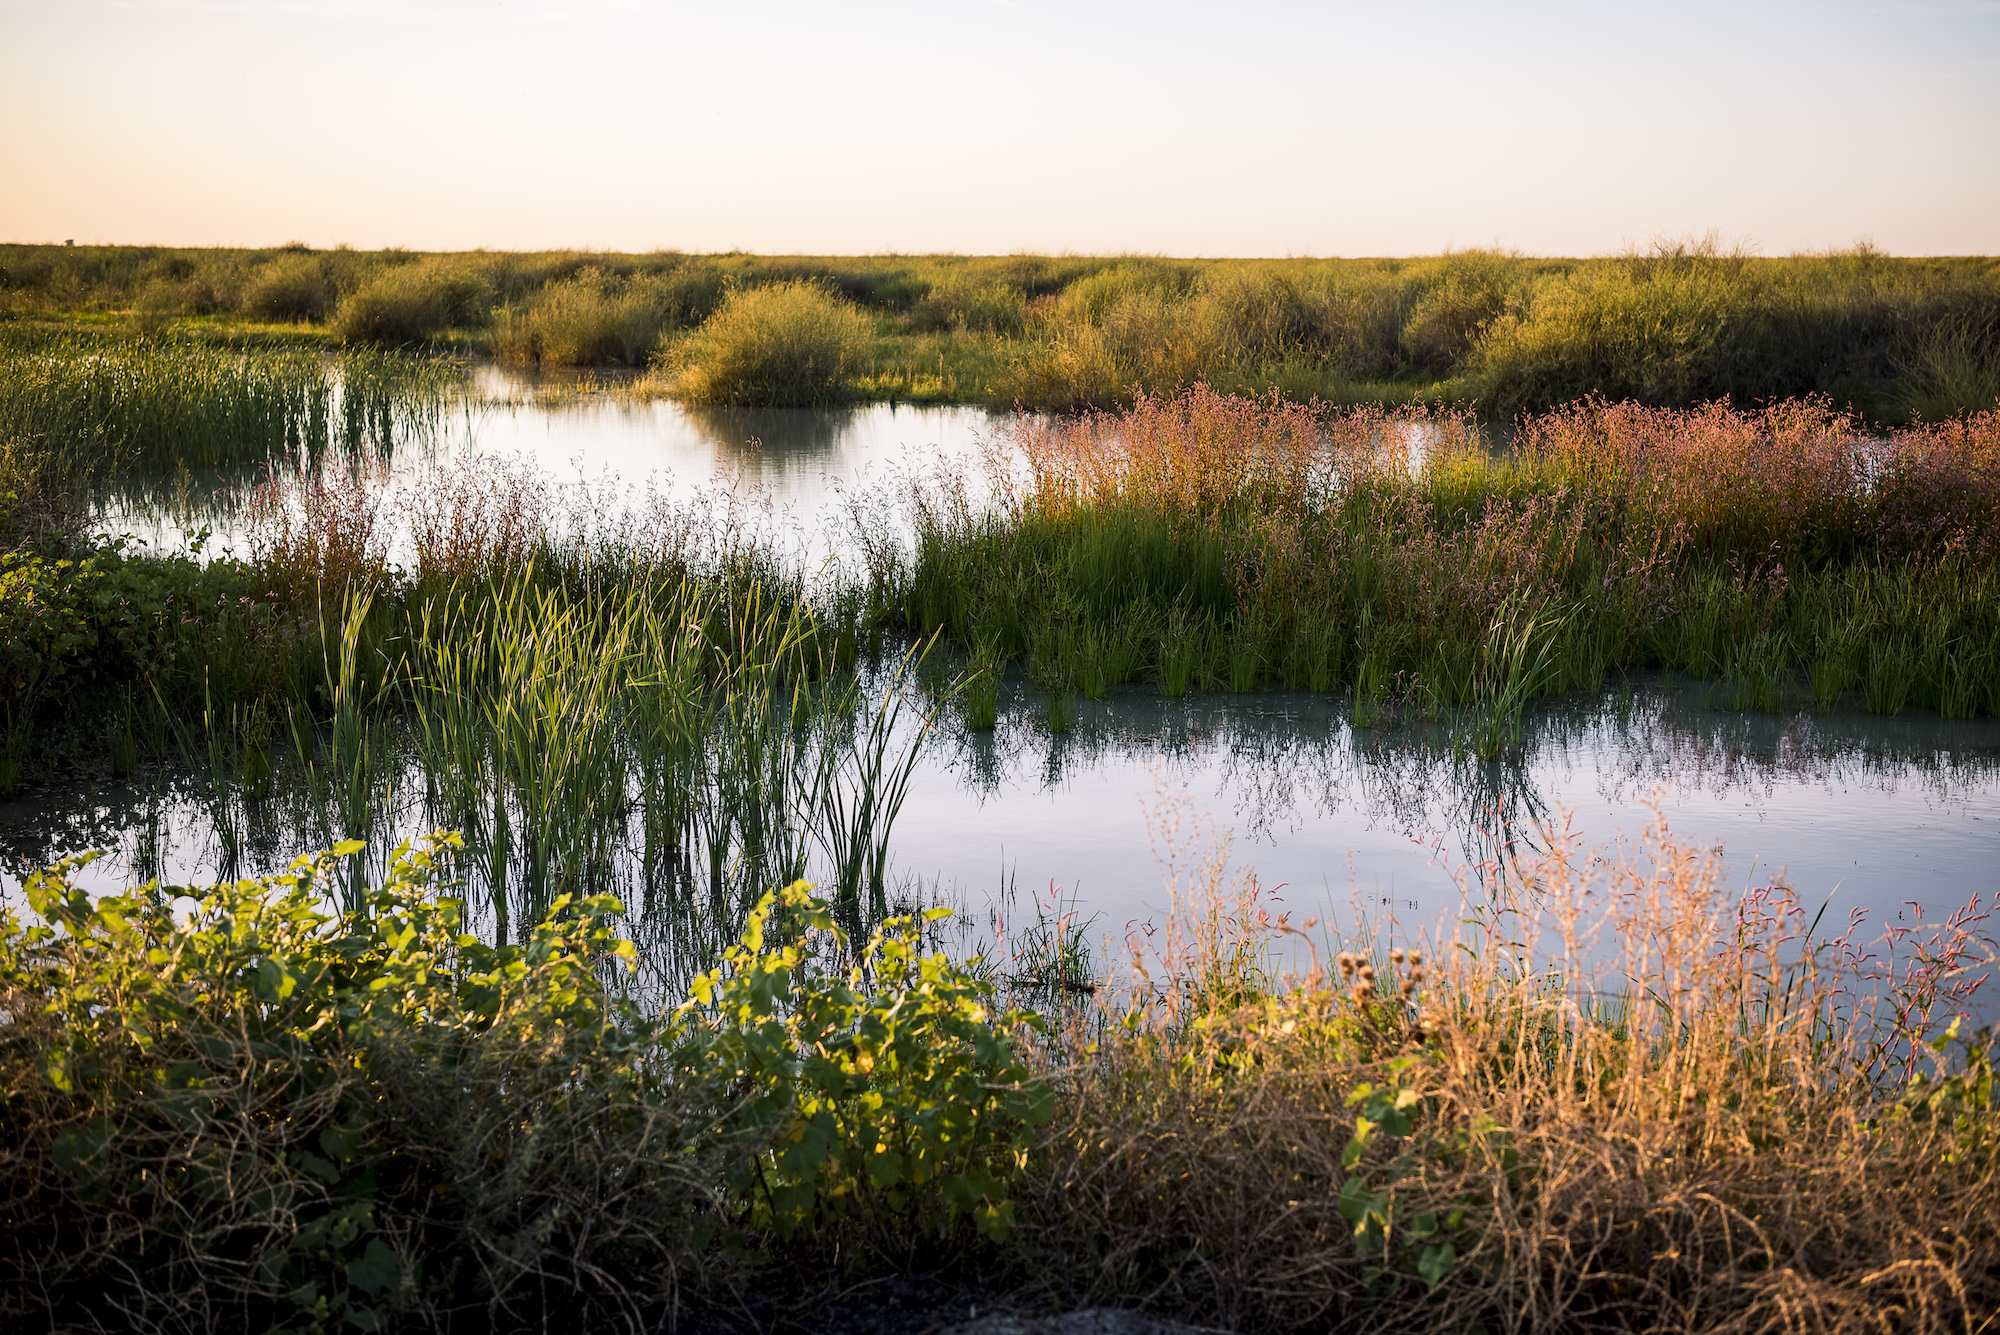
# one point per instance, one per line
(1674, 325)
(573, 1062)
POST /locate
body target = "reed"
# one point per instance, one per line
(96, 407)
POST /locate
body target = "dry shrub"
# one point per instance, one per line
(1620, 1097)
(315, 535)
(478, 518)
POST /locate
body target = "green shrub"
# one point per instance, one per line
(270, 1113)
(290, 286)
(791, 344)
(413, 303)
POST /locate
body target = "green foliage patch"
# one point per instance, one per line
(254, 1110)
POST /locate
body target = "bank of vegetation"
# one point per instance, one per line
(1675, 325)
(1209, 542)
(306, 1103)
(430, 1088)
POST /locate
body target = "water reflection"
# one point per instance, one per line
(598, 432)
(1877, 811)
(1874, 810)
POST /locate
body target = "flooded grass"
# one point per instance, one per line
(94, 407)
(1209, 539)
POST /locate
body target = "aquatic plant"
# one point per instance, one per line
(1211, 538)
(93, 408)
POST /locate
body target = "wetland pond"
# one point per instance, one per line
(1898, 816)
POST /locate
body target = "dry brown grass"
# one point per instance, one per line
(313, 536)
(1636, 1100)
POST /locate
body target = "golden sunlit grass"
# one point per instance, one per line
(787, 345)
(1675, 325)
(1619, 1095)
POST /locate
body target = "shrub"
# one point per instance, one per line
(412, 303)
(290, 286)
(267, 1112)
(791, 344)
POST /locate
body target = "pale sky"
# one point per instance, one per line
(1043, 125)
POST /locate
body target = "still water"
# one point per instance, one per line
(1895, 816)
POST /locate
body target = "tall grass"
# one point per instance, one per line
(96, 407)
(1620, 1094)
(1676, 324)
(413, 303)
(598, 318)
(787, 345)
(1217, 539)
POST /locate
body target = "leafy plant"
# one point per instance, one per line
(896, 1100)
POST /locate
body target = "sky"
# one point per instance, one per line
(1002, 125)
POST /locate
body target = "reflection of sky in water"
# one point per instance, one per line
(1872, 811)
(1869, 811)
(805, 461)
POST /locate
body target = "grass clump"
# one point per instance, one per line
(790, 344)
(599, 318)
(413, 303)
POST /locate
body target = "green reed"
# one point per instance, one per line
(99, 406)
